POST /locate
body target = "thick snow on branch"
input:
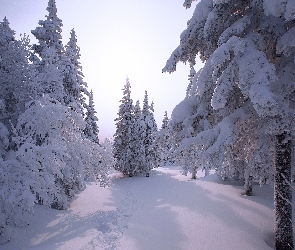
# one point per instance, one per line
(274, 7)
(235, 29)
(280, 8)
(254, 75)
(204, 81)
(290, 10)
(224, 53)
(213, 141)
(173, 60)
(286, 43)
(224, 86)
(188, 3)
(184, 109)
(225, 132)
(188, 36)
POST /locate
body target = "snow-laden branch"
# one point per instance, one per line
(235, 29)
(280, 8)
(253, 71)
(188, 38)
(286, 44)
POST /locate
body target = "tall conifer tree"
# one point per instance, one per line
(75, 87)
(49, 32)
(138, 132)
(122, 147)
(48, 53)
(16, 75)
(91, 130)
(150, 128)
(162, 143)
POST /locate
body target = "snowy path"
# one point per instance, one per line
(165, 211)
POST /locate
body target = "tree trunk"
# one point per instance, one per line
(248, 182)
(283, 194)
(248, 186)
(194, 173)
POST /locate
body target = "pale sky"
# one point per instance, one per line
(117, 39)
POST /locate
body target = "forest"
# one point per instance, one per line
(236, 118)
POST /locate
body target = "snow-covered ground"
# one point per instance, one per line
(163, 212)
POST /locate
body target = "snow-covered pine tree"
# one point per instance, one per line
(16, 75)
(165, 121)
(165, 141)
(150, 125)
(75, 87)
(137, 145)
(91, 130)
(122, 147)
(153, 151)
(48, 53)
(49, 32)
(50, 76)
(251, 56)
(162, 143)
(107, 148)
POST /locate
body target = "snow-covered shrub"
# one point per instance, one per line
(49, 135)
(16, 197)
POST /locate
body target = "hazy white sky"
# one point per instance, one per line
(117, 38)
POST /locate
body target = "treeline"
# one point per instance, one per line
(49, 141)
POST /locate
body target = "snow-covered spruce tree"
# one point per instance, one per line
(122, 147)
(91, 130)
(137, 142)
(75, 87)
(249, 46)
(165, 121)
(107, 148)
(50, 76)
(154, 151)
(47, 56)
(16, 75)
(150, 129)
(49, 32)
(163, 143)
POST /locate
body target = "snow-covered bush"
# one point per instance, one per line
(16, 197)
(49, 135)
